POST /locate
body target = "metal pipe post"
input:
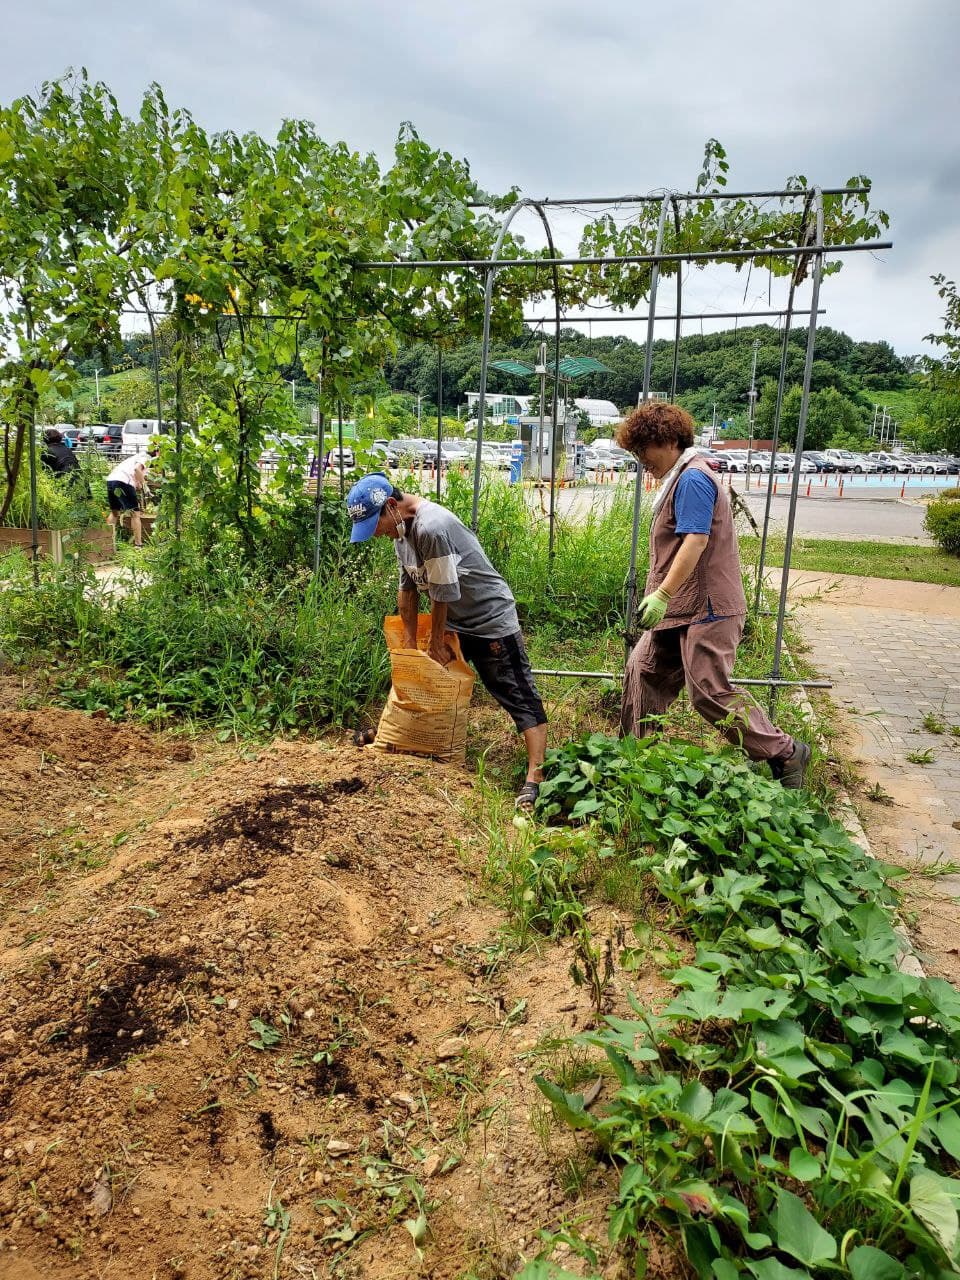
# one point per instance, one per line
(485, 354)
(628, 639)
(318, 510)
(32, 472)
(615, 260)
(556, 384)
(34, 515)
(781, 384)
(439, 414)
(542, 365)
(689, 315)
(679, 316)
(178, 445)
(156, 358)
(793, 193)
(798, 450)
(343, 492)
(753, 401)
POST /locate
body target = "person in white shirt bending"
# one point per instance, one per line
(125, 487)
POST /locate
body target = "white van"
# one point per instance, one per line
(135, 435)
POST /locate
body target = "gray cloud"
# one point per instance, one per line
(564, 98)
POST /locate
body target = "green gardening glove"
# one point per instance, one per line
(652, 608)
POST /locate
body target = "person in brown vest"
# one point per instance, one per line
(694, 607)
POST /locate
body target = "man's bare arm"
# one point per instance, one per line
(440, 651)
(408, 604)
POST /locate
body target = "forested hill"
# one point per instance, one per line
(713, 375)
(712, 368)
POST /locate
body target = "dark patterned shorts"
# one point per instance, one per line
(504, 669)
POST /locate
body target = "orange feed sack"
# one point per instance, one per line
(427, 707)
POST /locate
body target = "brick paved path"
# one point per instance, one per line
(892, 650)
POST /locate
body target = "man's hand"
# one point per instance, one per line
(652, 608)
(441, 652)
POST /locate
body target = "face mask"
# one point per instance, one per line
(401, 527)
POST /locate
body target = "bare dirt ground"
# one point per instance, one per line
(257, 1019)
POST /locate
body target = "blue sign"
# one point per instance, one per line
(516, 462)
(513, 421)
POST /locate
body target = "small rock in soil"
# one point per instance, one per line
(102, 1197)
(451, 1048)
(337, 1147)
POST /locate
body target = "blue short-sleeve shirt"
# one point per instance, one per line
(694, 498)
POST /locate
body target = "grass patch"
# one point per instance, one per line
(864, 559)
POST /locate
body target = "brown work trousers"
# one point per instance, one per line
(699, 655)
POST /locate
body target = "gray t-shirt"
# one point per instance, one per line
(442, 557)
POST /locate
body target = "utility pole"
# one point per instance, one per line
(873, 425)
(752, 397)
(419, 401)
(96, 375)
(293, 390)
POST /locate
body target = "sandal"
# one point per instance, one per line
(527, 796)
(364, 737)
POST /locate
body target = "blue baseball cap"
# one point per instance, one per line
(365, 502)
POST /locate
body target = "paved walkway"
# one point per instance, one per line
(892, 650)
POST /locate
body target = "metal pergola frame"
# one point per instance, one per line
(813, 247)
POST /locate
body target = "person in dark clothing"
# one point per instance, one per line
(57, 457)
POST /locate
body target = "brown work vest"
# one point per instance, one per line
(716, 584)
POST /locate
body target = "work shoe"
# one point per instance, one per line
(792, 771)
(527, 797)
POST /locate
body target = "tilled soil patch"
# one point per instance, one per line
(273, 1031)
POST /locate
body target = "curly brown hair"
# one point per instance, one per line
(655, 423)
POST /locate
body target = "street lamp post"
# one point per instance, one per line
(96, 376)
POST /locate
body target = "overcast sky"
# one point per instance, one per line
(568, 98)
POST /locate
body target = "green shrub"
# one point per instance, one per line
(583, 590)
(942, 522)
(204, 637)
(77, 500)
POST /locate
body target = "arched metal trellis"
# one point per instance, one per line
(812, 248)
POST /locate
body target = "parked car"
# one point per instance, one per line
(343, 458)
(713, 459)
(885, 461)
(491, 456)
(105, 437)
(407, 452)
(734, 459)
(931, 465)
(863, 464)
(804, 467)
(844, 458)
(135, 434)
(819, 460)
(73, 437)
